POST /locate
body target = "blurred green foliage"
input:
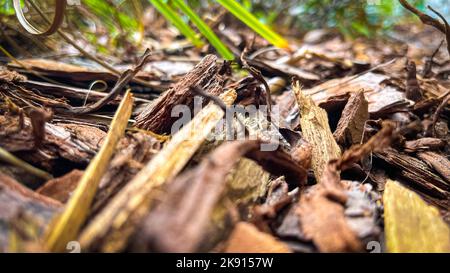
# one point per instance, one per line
(6, 7)
(351, 17)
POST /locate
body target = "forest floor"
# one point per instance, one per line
(347, 150)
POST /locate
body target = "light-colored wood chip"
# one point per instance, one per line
(316, 130)
(411, 225)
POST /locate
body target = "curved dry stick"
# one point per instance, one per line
(60, 8)
(259, 77)
(426, 19)
(124, 79)
(447, 27)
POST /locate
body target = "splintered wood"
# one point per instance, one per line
(66, 226)
(350, 128)
(190, 207)
(157, 118)
(116, 222)
(316, 130)
(411, 224)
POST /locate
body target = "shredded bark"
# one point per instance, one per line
(316, 130)
(189, 201)
(350, 128)
(439, 162)
(321, 208)
(157, 118)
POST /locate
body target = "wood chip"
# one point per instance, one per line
(157, 118)
(410, 224)
(246, 238)
(316, 130)
(350, 128)
(116, 222)
(421, 144)
(66, 226)
(439, 162)
(61, 188)
(417, 172)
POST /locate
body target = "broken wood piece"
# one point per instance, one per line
(439, 162)
(246, 238)
(350, 127)
(322, 207)
(133, 152)
(58, 143)
(156, 117)
(192, 214)
(411, 225)
(416, 171)
(111, 228)
(10, 183)
(22, 213)
(61, 188)
(66, 226)
(423, 144)
(316, 130)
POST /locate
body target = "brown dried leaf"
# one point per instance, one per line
(321, 209)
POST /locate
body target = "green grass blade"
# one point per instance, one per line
(175, 19)
(205, 30)
(251, 21)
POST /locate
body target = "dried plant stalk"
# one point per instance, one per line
(115, 223)
(11, 159)
(316, 130)
(65, 227)
(410, 224)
